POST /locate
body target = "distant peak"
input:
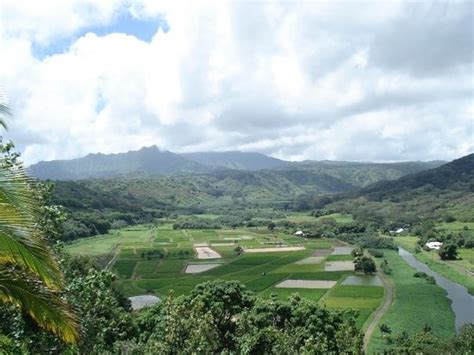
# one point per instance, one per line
(153, 147)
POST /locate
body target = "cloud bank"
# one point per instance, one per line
(312, 80)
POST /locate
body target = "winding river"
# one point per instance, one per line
(462, 302)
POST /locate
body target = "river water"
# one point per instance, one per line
(462, 302)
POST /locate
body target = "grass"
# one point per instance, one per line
(146, 267)
(339, 258)
(338, 217)
(357, 291)
(350, 302)
(416, 303)
(125, 268)
(171, 266)
(263, 282)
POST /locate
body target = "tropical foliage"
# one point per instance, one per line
(29, 275)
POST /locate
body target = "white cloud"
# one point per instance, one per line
(304, 81)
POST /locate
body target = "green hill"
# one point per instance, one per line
(445, 192)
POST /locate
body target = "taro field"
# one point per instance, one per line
(163, 261)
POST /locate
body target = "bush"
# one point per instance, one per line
(376, 253)
(448, 251)
(420, 274)
(430, 280)
(386, 269)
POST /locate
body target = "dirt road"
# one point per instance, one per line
(388, 299)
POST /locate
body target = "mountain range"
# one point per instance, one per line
(151, 161)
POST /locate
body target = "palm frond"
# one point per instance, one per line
(4, 111)
(42, 305)
(19, 241)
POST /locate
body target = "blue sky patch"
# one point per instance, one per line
(143, 29)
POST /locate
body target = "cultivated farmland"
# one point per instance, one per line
(159, 260)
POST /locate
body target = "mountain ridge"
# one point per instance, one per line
(152, 161)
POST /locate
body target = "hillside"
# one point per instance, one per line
(442, 193)
(456, 175)
(235, 160)
(363, 174)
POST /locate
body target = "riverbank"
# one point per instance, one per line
(451, 270)
(416, 303)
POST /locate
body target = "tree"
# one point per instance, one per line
(357, 251)
(365, 264)
(29, 275)
(222, 317)
(384, 329)
(448, 251)
(271, 226)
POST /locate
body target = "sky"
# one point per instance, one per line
(360, 81)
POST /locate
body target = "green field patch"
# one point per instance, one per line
(256, 259)
(338, 217)
(226, 269)
(291, 258)
(318, 244)
(193, 281)
(202, 234)
(350, 302)
(125, 268)
(257, 270)
(171, 266)
(364, 314)
(467, 255)
(339, 258)
(226, 252)
(127, 253)
(154, 284)
(306, 268)
(263, 282)
(357, 291)
(129, 288)
(146, 267)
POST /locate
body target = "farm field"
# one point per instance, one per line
(416, 304)
(161, 260)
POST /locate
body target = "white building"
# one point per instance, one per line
(434, 245)
(299, 234)
(397, 231)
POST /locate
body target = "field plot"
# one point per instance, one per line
(160, 261)
(339, 266)
(362, 280)
(311, 260)
(342, 251)
(206, 253)
(306, 284)
(273, 250)
(198, 268)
